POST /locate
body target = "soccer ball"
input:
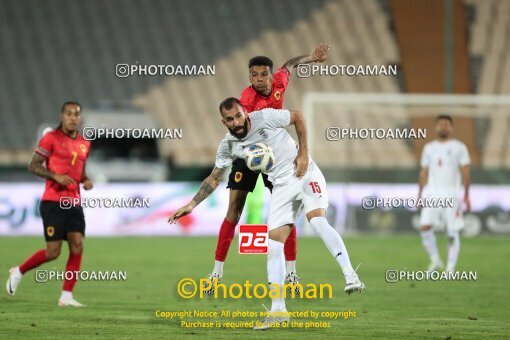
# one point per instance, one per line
(260, 157)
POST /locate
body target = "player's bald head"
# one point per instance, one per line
(230, 104)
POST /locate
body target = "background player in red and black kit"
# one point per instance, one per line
(65, 152)
(266, 91)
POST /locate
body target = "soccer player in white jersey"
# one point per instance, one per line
(298, 183)
(444, 162)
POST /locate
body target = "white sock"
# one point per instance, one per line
(290, 267)
(276, 273)
(334, 243)
(66, 296)
(218, 267)
(428, 239)
(17, 271)
(453, 250)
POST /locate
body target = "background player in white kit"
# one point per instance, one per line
(298, 183)
(443, 163)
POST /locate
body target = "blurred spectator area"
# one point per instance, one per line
(67, 50)
(61, 50)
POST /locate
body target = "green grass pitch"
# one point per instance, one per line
(126, 309)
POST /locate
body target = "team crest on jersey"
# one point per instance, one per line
(83, 148)
(263, 134)
(277, 95)
(238, 176)
(50, 231)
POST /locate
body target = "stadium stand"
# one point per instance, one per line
(45, 49)
(489, 48)
(489, 42)
(68, 49)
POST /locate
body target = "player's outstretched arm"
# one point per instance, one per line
(208, 186)
(319, 54)
(37, 168)
(301, 162)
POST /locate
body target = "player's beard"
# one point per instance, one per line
(243, 134)
(443, 134)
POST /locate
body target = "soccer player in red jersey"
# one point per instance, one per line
(266, 91)
(65, 152)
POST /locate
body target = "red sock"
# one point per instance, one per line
(37, 258)
(73, 264)
(290, 247)
(225, 237)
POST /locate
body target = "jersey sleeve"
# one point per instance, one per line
(45, 146)
(425, 158)
(246, 99)
(223, 155)
(282, 77)
(464, 155)
(275, 119)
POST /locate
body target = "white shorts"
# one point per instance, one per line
(287, 201)
(451, 216)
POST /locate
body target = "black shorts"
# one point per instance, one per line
(242, 178)
(58, 222)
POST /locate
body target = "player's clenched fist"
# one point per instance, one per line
(183, 211)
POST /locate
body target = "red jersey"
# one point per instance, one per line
(251, 100)
(64, 156)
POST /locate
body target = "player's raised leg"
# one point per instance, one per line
(337, 248)
(315, 201)
(75, 242)
(41, 256)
